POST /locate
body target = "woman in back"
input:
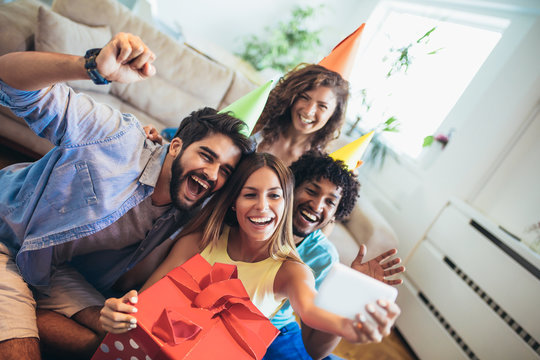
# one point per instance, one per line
(305, 111)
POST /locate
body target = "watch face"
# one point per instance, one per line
(91, 67)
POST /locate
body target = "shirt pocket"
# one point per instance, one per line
(70, 187)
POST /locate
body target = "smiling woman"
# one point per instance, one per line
(259, 209)
(304, 112)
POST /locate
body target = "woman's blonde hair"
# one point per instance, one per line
(218, 211)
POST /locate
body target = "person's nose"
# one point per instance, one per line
(262, 203)
(311, 108)
(212, 171)
(318, 204)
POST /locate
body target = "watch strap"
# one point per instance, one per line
(91, 67)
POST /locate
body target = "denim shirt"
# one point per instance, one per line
(101, 166)
(317, 252)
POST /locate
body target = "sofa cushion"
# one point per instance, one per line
(370, 228)
(125, 107)
(18, 25)
(240, 86)
(56, 33)
(176, 63)
(345, 244)
(158, 97)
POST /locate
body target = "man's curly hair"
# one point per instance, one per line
(276, 116)
(315, 165)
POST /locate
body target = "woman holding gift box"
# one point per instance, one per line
(249, 225)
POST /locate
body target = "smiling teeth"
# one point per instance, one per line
(261, 220)
(198, 181)
(309, 215)
(306, 121)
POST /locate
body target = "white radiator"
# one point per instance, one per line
(471, 291)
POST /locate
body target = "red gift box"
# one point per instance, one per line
(197, 311)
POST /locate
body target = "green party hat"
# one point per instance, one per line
(249, 107)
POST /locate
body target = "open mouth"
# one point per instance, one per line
(196, 185)
(262, 221)
(306, 120)
(308, 216)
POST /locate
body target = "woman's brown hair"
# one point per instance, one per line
(276, 116)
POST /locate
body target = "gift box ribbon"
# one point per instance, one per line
(221, 294)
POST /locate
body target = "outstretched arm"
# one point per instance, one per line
(124, 59)
(295, 281)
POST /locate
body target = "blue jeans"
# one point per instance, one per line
(289, 345)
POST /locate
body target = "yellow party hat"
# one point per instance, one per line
(250, 106)
(342, 57)
(351, 153)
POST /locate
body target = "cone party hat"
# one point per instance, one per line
(249, 107)
(342, 57)
(351, 153)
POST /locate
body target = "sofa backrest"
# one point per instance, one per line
(185, 81)
(18, 25)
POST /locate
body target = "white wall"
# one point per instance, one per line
(488, 117)
(226, 22)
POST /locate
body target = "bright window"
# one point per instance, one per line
(444, 51)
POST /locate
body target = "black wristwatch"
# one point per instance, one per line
(91, 67)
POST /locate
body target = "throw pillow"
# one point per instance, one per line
(56, 33)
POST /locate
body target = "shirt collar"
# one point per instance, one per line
(152, 170)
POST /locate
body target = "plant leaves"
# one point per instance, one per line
(428, 140)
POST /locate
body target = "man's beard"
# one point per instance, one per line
(298, 233)
(176, 182)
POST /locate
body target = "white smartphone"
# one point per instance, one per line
(346, 292)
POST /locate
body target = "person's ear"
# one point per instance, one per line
(175, 147)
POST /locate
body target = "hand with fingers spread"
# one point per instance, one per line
(115, 315)
(152, 134)
(125, 59)
(379, 267)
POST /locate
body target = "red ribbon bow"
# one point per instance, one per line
(221, 294)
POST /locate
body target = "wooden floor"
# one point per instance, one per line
(392, 347)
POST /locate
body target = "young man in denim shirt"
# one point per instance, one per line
(103, 198)
(326, 191)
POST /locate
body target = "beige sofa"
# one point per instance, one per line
(186, 80)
